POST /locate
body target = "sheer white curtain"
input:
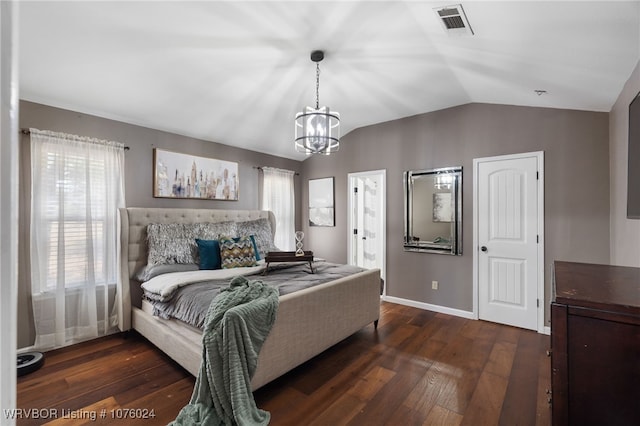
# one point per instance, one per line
(77, 186)
(278, 196)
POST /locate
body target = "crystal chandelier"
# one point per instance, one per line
(317, 130)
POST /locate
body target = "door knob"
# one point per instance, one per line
(483, 248)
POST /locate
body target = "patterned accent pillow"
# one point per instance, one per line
(171, 243)
(237, 252)
(261, 230)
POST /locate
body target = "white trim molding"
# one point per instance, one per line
(442, 310)
(429, 307)
(8, 205)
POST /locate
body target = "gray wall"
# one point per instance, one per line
(576, 187)
(576, 172)
(138, 176)
(139, 158)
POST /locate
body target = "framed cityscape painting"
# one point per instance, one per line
(177, 175)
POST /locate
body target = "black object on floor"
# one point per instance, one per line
(29, 362)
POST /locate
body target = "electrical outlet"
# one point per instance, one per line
(434, 285)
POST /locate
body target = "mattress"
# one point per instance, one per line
(190, 300)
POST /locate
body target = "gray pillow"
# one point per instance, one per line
(261, 230)
(171, 243)
(214, 230)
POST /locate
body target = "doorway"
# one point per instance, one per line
(367, 204)
(508, 257)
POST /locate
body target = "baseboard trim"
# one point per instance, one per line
(442, 309)
(27, 349)
(429, 307)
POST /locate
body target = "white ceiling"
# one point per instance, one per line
(236, 72)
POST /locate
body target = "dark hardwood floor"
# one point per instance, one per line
(418, 368)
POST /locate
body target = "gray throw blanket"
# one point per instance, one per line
(238, 322)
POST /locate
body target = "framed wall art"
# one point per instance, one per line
(442, 207)
(177, 175)
(321, 208)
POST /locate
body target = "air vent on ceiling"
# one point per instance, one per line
(453, 20)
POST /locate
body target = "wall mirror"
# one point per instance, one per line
(433, 210)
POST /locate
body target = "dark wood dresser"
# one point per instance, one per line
(595, 345)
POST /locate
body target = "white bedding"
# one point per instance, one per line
(164, 286)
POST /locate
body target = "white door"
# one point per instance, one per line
(367, 220)
(509, 251)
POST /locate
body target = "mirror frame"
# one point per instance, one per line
(417, 245)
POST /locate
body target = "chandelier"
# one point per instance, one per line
(317, 130)
(443, 180)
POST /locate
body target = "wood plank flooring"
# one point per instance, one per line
(418, 368)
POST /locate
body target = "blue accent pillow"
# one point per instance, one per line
(255, 246)
(209, 254)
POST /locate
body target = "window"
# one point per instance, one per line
(77, 186)
(73, 219)
(278, 196)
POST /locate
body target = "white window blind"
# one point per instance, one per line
(74, 206)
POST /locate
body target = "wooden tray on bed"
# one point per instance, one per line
(288, 256)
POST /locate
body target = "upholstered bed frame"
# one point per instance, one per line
(308, 321)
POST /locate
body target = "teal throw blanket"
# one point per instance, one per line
(238, 322)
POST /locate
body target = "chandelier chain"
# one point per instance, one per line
(317, 85)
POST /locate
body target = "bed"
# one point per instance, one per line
(308, 321)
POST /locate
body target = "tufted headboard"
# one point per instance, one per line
(133, 241)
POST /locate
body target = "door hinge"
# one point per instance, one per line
(537, 175)
(355, 189)
(537, 239)
(537, 303)
(355, 232)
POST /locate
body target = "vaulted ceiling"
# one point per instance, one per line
(236, 72)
